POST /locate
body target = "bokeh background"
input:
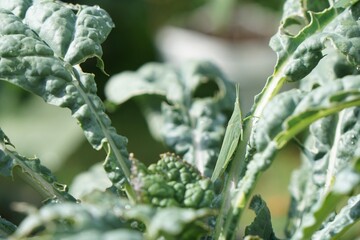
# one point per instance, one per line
(233, 34)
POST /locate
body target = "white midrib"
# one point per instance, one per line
(329, 180)
(105, 131)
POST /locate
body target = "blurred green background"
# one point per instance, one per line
(37, 129)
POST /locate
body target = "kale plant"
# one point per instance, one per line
(201, 189)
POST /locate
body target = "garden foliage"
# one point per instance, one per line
(43, 43)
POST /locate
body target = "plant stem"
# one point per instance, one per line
(45, 188)
(107, 135)
(253, 169)
(237, 165)
(223, 210)
(330, 173)
(112, 147)
(242, 157)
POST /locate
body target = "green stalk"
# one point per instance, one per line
(111, 142)
(240, 161)
(112, 148)
(247, 183)
(239, 169)
(282, 138)
(45, 188)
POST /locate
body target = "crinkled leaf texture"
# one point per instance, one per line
(105, 215)
(327, 173)
(41, 44)
(321, 28)
(348, 215)
(41, 176)
(306, 219)
(191, 120)
(77, 221)
(299, 53)
(291, 112)
(74, 33)
(172, 223)
(330, 147)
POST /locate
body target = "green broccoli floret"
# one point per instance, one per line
(172, 182)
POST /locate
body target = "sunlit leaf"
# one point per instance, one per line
(40, 46)
(191, 122)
